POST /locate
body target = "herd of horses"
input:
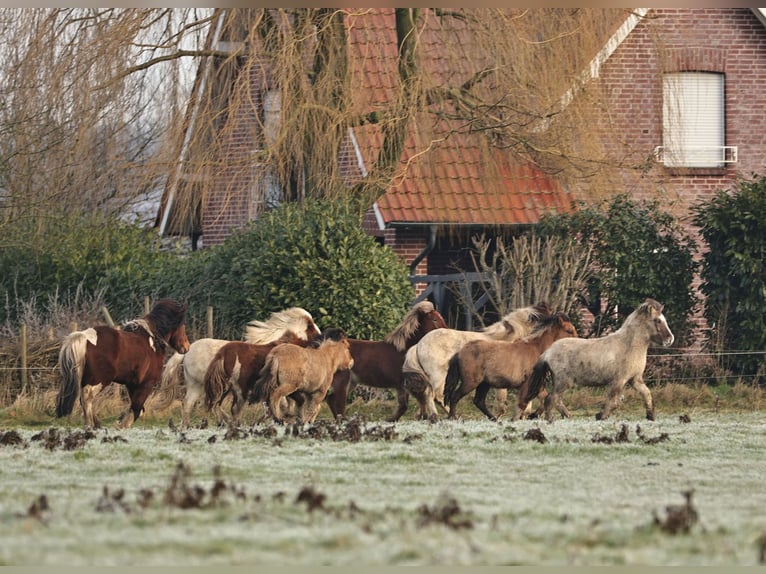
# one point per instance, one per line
(289, 365)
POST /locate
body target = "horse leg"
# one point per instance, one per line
(501, 402)
(646, 394)
(336, 400)
(193, 393)
(612, 398)
(402, 398)
(87, 395)
(480, 400)
(416, 385)
(138, 395)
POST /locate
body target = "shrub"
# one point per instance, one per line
(733, 271)
(314, 255)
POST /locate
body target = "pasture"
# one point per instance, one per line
(457, 492)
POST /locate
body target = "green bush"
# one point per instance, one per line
(84, 252)
(733, 271)
(314, 255)
(639, 251)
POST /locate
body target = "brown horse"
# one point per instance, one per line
(482, 364)
(133, 356)
(302, 373)
(613, 361)
(379, 363)
(234, 369)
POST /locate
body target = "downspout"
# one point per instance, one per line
(426, 250)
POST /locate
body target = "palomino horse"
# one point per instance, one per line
(615, 360)
(379, 363)
(132, 356)
(302, 373)
(191, 368)
(234, 370)
(425, 364)
(483, 364)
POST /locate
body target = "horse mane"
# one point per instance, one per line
(408, 326)
(294, 319)
(519, 319)
(544, 323)
(164, 318)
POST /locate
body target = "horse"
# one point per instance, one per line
(379, 363)
(615, 360)
(302, 373)
(133, 356)
(426, 363)
(234, 369)
(483, 364)
(192, 366)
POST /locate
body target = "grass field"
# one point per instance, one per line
(367, 492)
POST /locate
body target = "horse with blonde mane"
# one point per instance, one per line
(379, 363)
(192, 367)
(482, 364)
(426, 363)
(615, 360)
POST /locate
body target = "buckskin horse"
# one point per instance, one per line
(481, 365)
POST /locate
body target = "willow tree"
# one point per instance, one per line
(94, 102)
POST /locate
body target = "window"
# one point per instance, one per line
(693, 121)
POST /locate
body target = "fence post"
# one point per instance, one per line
(146, 305)
(107, 316)
(210, 321)
(24, 359)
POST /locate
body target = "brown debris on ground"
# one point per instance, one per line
(679, 518)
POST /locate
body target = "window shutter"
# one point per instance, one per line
(693, 119)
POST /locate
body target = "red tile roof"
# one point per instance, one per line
(445, 175)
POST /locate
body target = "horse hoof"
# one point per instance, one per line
(650, 416)
(599, 416)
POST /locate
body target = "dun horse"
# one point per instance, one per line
(303, 374)
(132, 356)
(379, 363)
(482, 364)
(191, 368)
(425, 364)
(615, 360)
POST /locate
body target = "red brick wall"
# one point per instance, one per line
(725, 40)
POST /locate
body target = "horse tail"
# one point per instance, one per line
(71, 364)
(170, 382)
(452, 380)
(215, 381)
(535, 380)
(267, 380)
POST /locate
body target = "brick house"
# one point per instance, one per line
(683, 118)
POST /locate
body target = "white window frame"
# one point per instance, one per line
(693, 126)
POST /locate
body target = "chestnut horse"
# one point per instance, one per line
(302, 373)
(615, 360)
(234, 370)
(132, 356)
(192, 367)
(483, 364)
(379, 363)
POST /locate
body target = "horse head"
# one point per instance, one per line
(659, 331)
(564, 323)
(178, 339)
(167, 319)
